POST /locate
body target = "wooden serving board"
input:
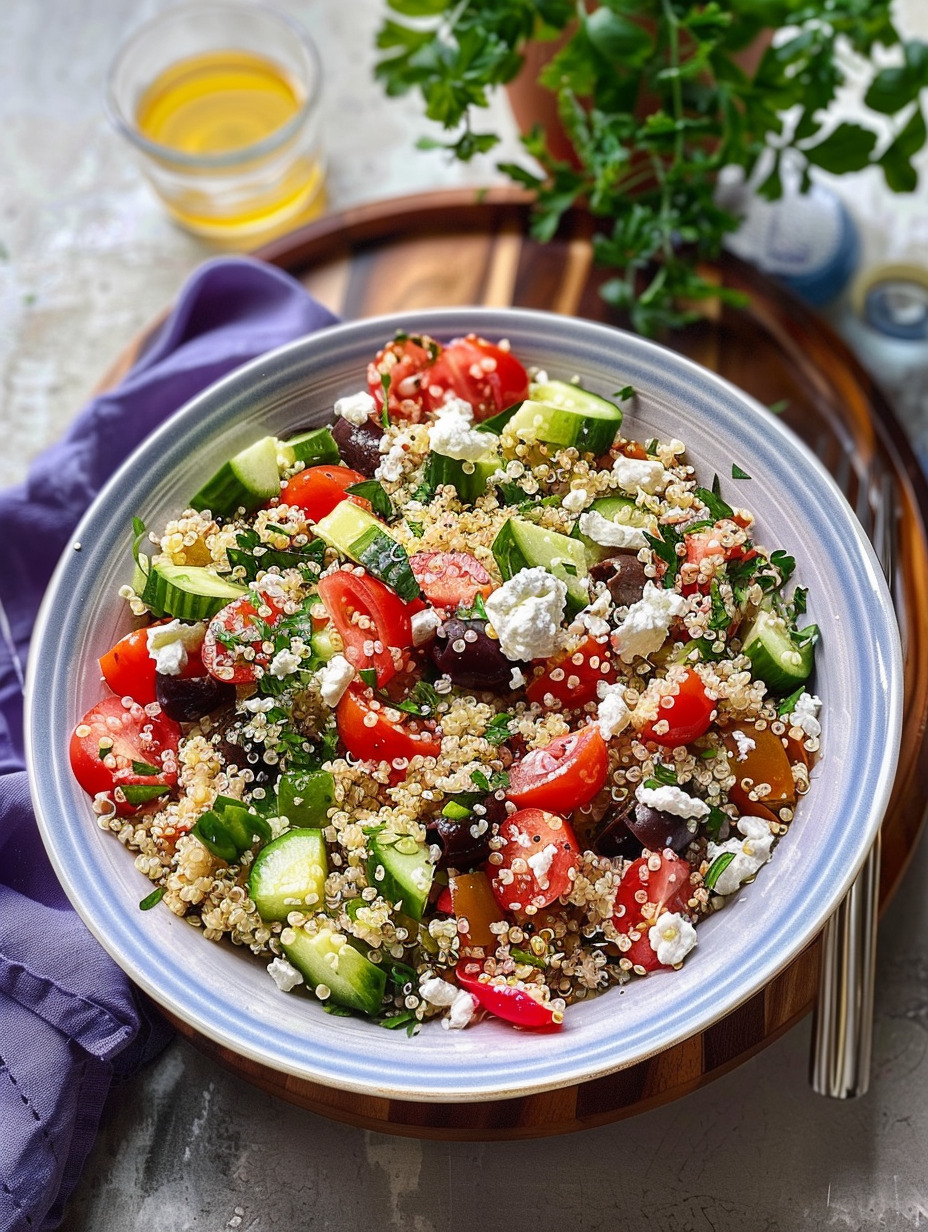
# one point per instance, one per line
(457, 248)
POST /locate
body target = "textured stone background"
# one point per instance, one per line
(86, 260)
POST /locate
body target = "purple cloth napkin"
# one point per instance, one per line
(70, 1021)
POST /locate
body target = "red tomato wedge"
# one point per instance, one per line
(564, 775)
(125, 751)
(129, 669)
(644, 894)
(450, 579)
(572, 679)
(318, 489)
(539, 856)
(372, 730)
(489, 377)
(233, 646)
(507, 1001)
(369, 617)
(687, 713)
(407, 361)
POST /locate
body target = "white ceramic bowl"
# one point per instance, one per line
(225, 994)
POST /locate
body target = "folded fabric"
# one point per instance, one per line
(71, 1020)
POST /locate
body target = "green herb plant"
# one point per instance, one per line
(655, 101)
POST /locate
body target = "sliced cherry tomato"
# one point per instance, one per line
(572, 679)
(129, 669)
(767, 762)
(450, 579)
(369, 617)
(444, 904)
(232, 648)
(564, 775)
(507, 1001)
(687, 713)
(539, 854)
(318, 489)
(407, 361)
(644, 894)
(489, 377)
(126, 751)
(372, 730)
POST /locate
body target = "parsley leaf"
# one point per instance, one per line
(372, 490)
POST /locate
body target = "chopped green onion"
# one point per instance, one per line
(152, 899)
(141, 793)
(716, 868)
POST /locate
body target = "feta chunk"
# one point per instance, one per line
(284, 974)
(611, 534)
(516, 678)
(647, 622)
(635, 473)
(424, 624)
(334, 679)
(437, 991)
(575, 500)
(672, 938)
(750, 852)
(805, 715)
(168, 645)
(356, 408)
(540, 864)
(452, 436)
(745, 744)
(284, 663)
(526, 612)
(670, 799)
(463, 1009)
(612, 714)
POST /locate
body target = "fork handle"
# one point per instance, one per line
(843, 1023)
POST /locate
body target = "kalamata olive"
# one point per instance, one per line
(358, 444)
(465, 844)
(624, 576)
(462, 650)
(187, 698)
(612, 836)
(655, 829)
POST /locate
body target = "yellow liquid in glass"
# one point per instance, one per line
(219, 103)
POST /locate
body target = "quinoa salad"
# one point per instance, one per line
(474, 703)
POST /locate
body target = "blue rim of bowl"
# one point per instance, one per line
(552, 1061)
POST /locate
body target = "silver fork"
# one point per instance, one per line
(842, 1028)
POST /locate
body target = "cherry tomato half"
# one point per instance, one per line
(126, 751)
(369, 617)
(129, 669)
(687, 713)
(644, 894)
(318, 489)
(232, 648)
(450, 579)
(407, 361)
(372, 730)
(572, 679)
(564, 775)
(507, 1001)
(766, 762)
(539, 854)
(489, 377)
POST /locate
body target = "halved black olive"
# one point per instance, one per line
(187, 698)
(358, 444)
(462, 650)
(624, 576)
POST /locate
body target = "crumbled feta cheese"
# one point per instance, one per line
(744, 743)
(612, 714)
(575, 500)
(356, 408)
(457, 406)
(453, 437)
(437, 991)
(670, 799)
(284, 663)
(750, 853)
(526, 612)
(463, 1008)
(540, 864)
(334, 679)
(168, 645)
(259, 705)
(635, 473)
(672, 938)
(284, 974)
(611, 534)
(394, 446)
(647, 622)
(805, 715)
(516, 678)
(592, 617)
(424, 624)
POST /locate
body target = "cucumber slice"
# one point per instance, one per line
(327, 958)
(322, 645)
(357, 534)
(246, 481)
(521, 545)
(781, 659)
(620, 509)
(586, 431)
(289, 875)
(402, 870)
(469, 479)
(572, 398)
(496, 423)
(314, 448)
(304, 797)
(189, 592)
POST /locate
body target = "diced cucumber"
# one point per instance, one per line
(230, 828)
(402, 870)
(357, 534)
(522, 545)
(322, 645)
(469, 479)
(314, 448)
(189, 592)
(289, 874)
(584, 430)
(572, 398)
(304, 797)
(621, 509)
(779, 657)
(496, 423)
(326, 957)
(246, 481)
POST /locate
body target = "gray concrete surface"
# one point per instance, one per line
(86, 259)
